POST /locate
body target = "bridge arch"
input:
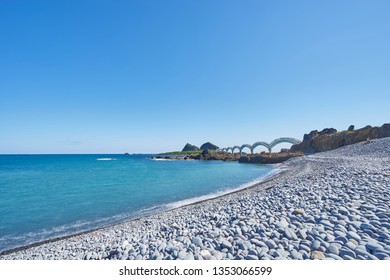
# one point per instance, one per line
(283, 140)
(228, 149)
(234, 148)
(246, 146)
(260, 143)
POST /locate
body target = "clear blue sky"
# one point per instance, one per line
(150, 76)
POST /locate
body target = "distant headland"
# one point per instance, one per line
(313, 142)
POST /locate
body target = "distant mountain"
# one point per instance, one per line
(189, 147)
(209, 146)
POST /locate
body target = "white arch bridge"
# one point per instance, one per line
(269, 146)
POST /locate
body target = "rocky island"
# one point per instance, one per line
(313, 142)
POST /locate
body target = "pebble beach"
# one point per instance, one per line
(331, 205)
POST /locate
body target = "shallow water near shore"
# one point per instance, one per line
(47, 196)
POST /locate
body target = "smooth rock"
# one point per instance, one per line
(317, 255)
(290, 234)
(270, 244)
(334, 256)
(333, 249)
(197, 241)
(299, 211)
(315, 245)
(182, 255)
(353, 235)
(226, 244)
(347, 252)
(251, 257)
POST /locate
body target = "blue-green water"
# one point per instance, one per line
(47, 196)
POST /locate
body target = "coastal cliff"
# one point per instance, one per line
(330, 138)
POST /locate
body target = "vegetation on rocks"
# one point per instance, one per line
(330, 138)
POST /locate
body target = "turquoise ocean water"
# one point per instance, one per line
(47, 196)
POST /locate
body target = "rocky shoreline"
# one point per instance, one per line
(331, 205)
(258, 158)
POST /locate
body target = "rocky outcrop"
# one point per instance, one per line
(263, 158)
(209, 146)
(314, 133)
(270, 158)
(207, 155)
(330, 138)
(189, 147)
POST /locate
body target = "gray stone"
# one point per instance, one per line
(372, 257)
(343, 210)
(353, 235)
(251, 257)
(373, 246)
(290, 234)
(197, 241)
(189, 256)
(302, 233)
(226, 244)
(339, 233)
(334, 256)
(283, 223)
(326, 223)
(216, 254)
(315, 245)
(182, 255)
(304, 248)
(257, 242)
(347, 252)
(270, 244)
(296, 255)
(342, 239)
(204, 253)
(381, 255)
(209, 257)
(333, 249)
(351, 245)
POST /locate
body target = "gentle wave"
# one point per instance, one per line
(82, 226)
(135, 193)
(213, 195)
(8, 241)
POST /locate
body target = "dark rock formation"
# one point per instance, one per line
(207, 155)
(351, 128)
(314, 133)
(269, 158)
(264, 158)
(208, 146)
(126, 154)
(189, 147)
(329, 139)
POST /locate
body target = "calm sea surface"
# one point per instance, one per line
(47, 196)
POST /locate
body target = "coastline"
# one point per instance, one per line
(277, 171)
(294, 214)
